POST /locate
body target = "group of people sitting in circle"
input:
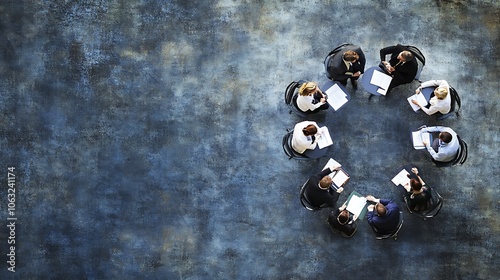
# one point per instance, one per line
(349, 63)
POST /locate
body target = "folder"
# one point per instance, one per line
(325, 140)
(418, 139)
(356, 204)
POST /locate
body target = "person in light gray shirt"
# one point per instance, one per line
(445, 147)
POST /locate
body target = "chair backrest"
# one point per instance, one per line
(393, 234)
(331, 54)
(286, 143)
(435, 205)
(290, 91)
(462, 153)
(419, 56)
(304, 199)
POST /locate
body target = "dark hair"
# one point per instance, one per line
(343, 217)
(445, 136)
(310, 130)
(415, 184)
(350, 56)
(380, 209)
(407, 55)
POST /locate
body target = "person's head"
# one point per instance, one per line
(440, 93)
(325, 182)
(308, 88)
(343, 217)
(415, 184)
(310, 130)
(380, 209)
(350, 56)
(445, 136)
(405, 56)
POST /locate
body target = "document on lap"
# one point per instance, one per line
(336, 97)
(418, 138)
(421, 100)
(356, 204)
(381, 80)
(325, 140)
(339, 177)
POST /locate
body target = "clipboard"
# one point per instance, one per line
(357, 205)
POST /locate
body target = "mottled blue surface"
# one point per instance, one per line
(146, 137)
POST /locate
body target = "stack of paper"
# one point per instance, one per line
(421, 100)
(356, 204)
(418, 138)
(336, 97)
(381, 80)
(325, 140)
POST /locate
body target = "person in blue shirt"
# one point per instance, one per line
(383, 216)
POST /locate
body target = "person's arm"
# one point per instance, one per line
(385, 51)
(334, 196)
(432, 83)
(429, 111)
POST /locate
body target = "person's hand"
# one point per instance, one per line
(323, 100)
(370, 207)
(355, 217)
(414, 170)
(343, 207)
(418, 90)
(415, 102)
(341, 189)
(425, 143)
(370, 198)
(357, 74)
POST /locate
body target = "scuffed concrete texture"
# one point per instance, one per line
(146, 137)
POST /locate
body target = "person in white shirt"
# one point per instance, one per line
(440, 99)
(311, 99)
(445, 147)
(305, 136)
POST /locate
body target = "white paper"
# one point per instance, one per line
(382, 91)
(340, 178)
(356, 204)
(402, 178)
(418, 138)
(336, 97)
(421, 100)
(332, 164)
(325, 140)
(381, 80)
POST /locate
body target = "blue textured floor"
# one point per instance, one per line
(146, 137)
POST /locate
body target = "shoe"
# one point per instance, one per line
(354, 84)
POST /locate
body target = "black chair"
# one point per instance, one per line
(459, 159)
(456, 103)
(433, 207)
(393, 234)
(419, 56)
(305, 201)
(291, 94)
(287, 147)
(331, 54)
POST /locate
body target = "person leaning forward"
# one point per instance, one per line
(349, 63)
(383, 217)
(402, 66)
(318, 190)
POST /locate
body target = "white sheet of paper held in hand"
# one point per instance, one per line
(325, 140)
(336, 97)
(356, 204)
(402, 179)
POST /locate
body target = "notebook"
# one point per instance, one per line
(418, 139)
(325, 140)
(339, 177)
(336, 97)
(421, 100)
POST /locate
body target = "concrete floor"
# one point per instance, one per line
(146, 137)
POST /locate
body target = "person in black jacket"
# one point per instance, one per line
(319, 192)
(341, 221)
(402, 65)
(348, 63)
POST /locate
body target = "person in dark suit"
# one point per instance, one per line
(402, 65)
(348, 63)
(383, 217)
(341, 221)
(319, 192)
